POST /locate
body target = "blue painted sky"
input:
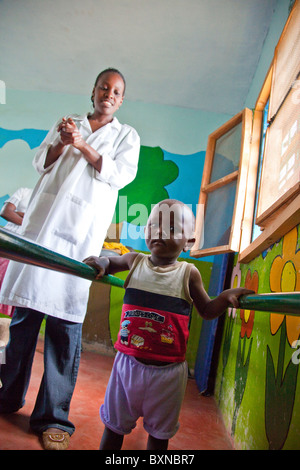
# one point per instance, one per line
(187, 186)
(33, 137)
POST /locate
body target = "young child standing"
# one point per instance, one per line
(149, 374)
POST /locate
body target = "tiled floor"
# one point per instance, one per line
(201, 425)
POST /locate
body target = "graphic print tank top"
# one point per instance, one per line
(156, 311)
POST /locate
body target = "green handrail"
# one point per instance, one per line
(282, 302)
(19, 249)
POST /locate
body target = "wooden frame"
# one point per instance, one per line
(286, 221)
(244, 117)
(284, 214)
(248, 219)
(266, 212)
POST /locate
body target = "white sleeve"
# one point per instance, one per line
(122, 168)
(16, 197)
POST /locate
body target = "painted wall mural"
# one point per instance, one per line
(33, 137)
(258, 381)
(281, 379)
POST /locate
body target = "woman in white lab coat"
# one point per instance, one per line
(83, 162)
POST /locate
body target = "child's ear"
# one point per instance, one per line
(189, 244)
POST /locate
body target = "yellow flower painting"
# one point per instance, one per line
(281, 381)
(285, 277)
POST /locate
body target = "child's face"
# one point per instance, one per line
(169, 230)
(108, 93)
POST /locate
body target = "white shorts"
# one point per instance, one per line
(136, 389)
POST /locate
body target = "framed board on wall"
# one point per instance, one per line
(280, 179)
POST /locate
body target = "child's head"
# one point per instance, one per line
(170, 229)
(108, 78)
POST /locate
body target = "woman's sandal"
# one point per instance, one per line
(55, 440)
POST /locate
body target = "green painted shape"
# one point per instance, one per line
(148, 188)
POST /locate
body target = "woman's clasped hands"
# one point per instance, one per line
(69, 133)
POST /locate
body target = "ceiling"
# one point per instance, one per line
(199, 54)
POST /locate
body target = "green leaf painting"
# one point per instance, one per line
(148, 188)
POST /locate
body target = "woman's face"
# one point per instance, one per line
(108, 93)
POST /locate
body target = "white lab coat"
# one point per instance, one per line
(70, 211)
(20, 199)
